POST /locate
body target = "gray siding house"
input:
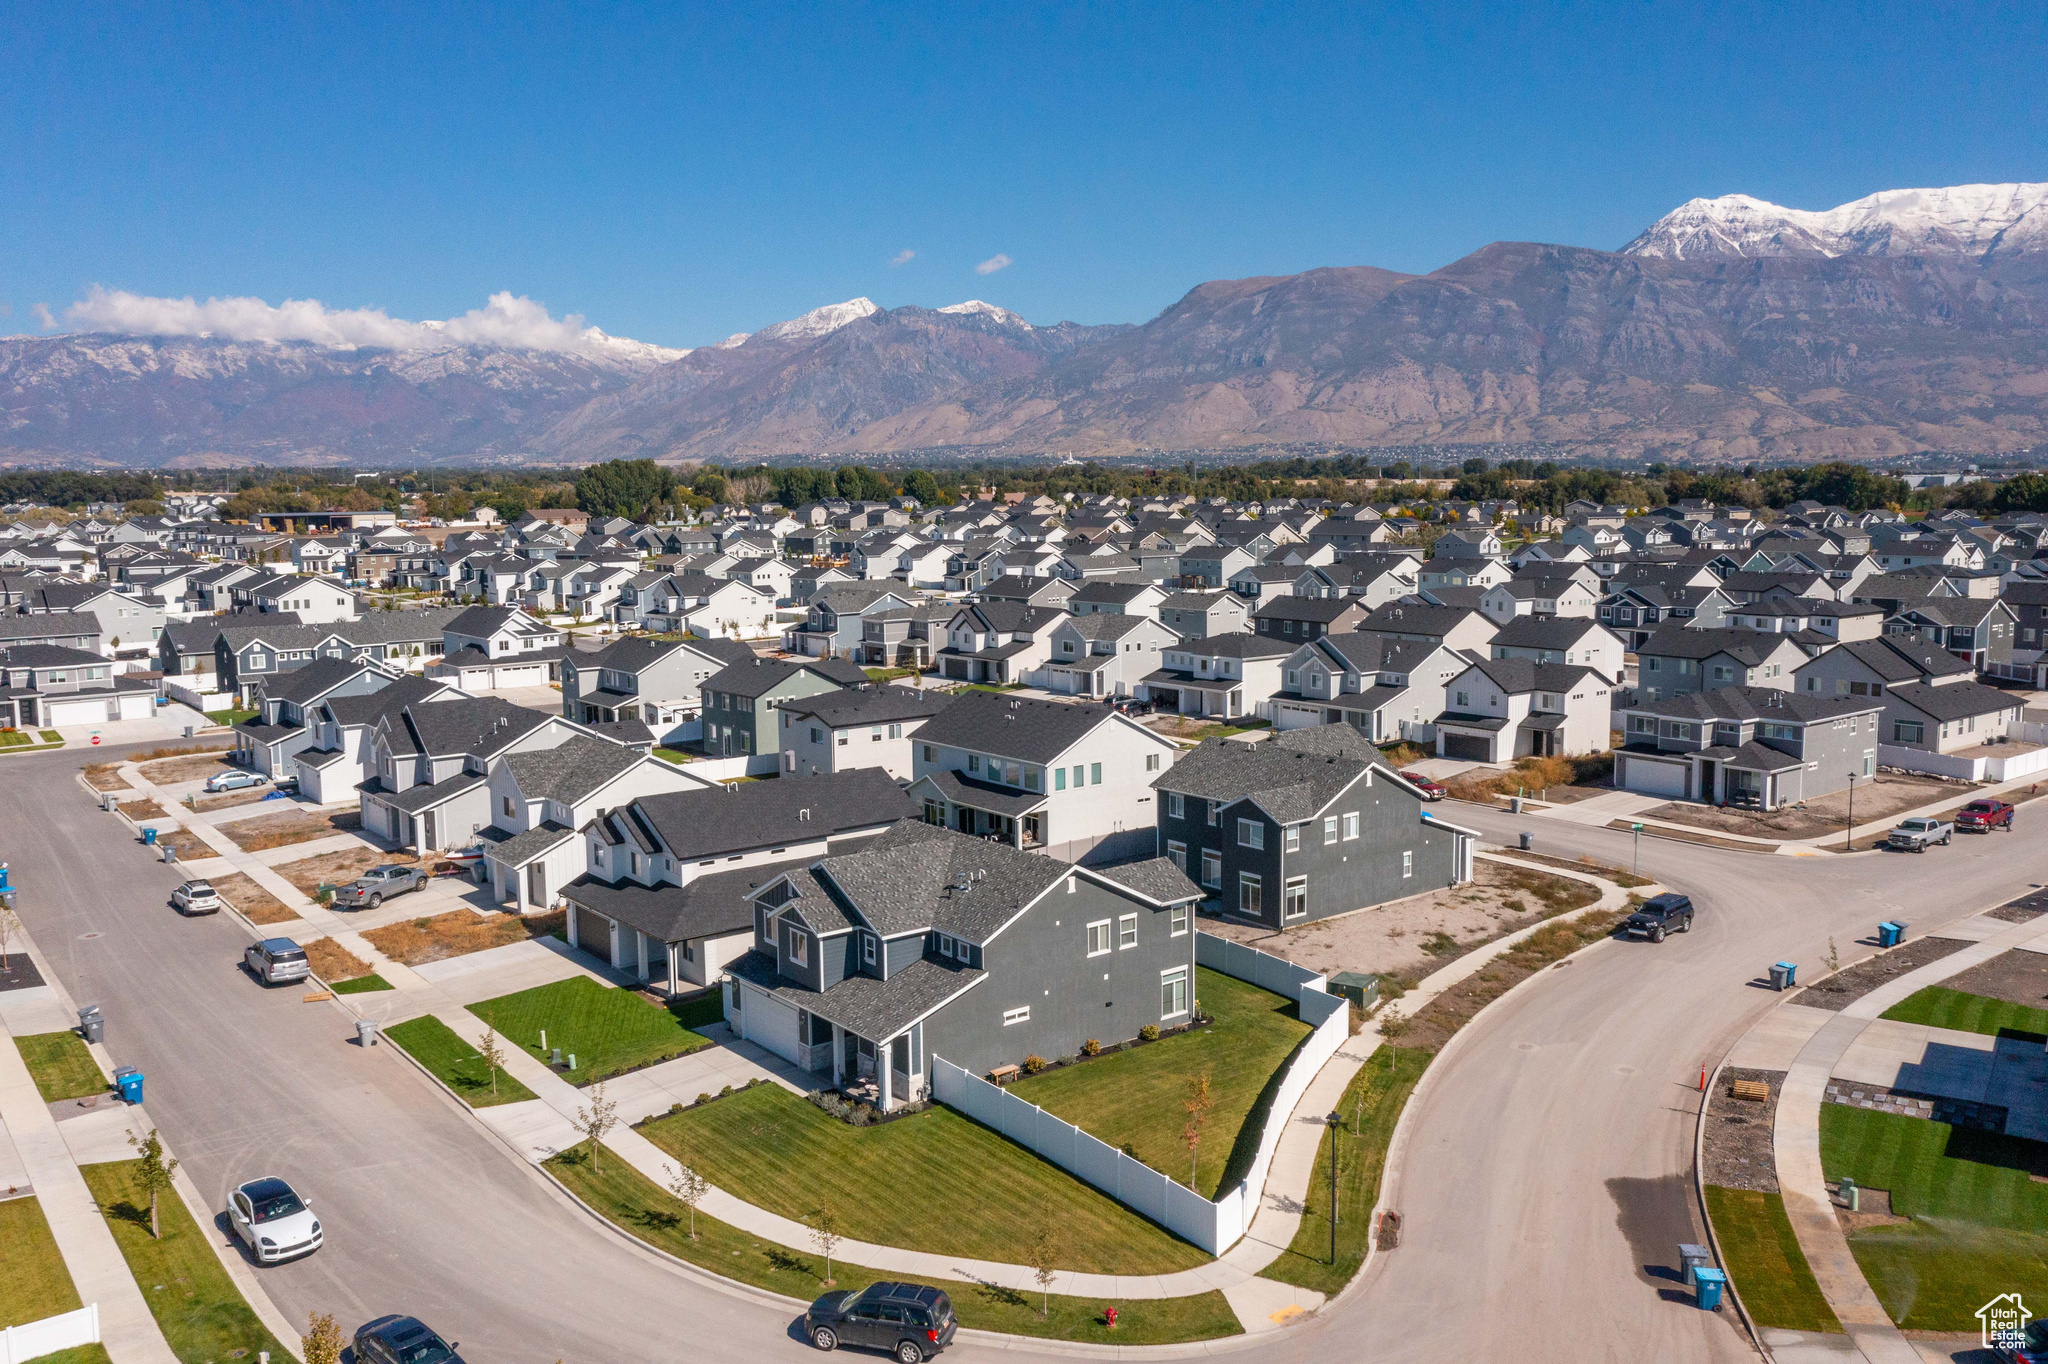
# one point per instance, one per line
(1755, 746)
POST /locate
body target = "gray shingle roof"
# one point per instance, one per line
(700, 824)
(1749, 647)
(483, 725)
(305, 685)
(1905, 658)
(758, 676)
(1014, 727)
(707, 907)
(1157, 880)
(1540, 632)
(981, 795)
(1287, 783)
(1518, 675)
(1104, 625)
(523, 847)
(870, 1008)
(917, 876)
(1755, 703)
(1955, 700)
(570, 771)
(874, 706)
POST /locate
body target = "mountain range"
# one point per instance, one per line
(1730, 329)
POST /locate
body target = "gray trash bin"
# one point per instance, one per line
(92, 1025)
(170, 852)
(1693, 1257)
(1528, 841)
(1514, 805)
(366, 1032)
(1781, 976)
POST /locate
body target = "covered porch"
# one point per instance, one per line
(982, 809)
(1201, 697)
(1752, 776)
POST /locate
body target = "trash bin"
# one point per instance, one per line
(366, 1032)
(170, 852)
(1528, 841)
(92, 1025)
(149, 836)
(1514, 805)
(191, 730)
(1692, 1258)
(1889, 933)
(1781, 975)
(130, 1081)
(1709, 1281)
(109, 799)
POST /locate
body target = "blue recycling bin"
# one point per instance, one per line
(130, 1081)
(1889, 933)
(149, 836)
(1710, 1282)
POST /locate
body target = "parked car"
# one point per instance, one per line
(1982, 816)
(1914, 835)
(402, 1340)
(277, 961)
(1431, 790)
(235, 781)
(911, 1321)
(196, 897)
(1660, 915)
(377, 885)
(272, 1220)
(2034, 1351)
(1130, 705)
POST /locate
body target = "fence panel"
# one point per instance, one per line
(51, 1334)
(1937, 764)
(2018, 765)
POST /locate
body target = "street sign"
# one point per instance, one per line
(1635, 828)
(95, 737)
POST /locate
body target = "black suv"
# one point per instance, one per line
(908, 1320)
(1660, 915)
(402, 1340)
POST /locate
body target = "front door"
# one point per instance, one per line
(537, 884)
(427, 843)
(1707, 782)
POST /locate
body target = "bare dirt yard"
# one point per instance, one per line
(191, 767)
(103, 777)
(332, 962)
(1881, 797)
(190, 849)
(458, 933)
(290, 826)
(2015, 977)
(1851, 983)
(143, 810)
(258, 905)
(1408, 939)
(1737, 1141)
(231, 798)
(339, 868)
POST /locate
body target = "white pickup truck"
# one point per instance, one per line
(1914, 835)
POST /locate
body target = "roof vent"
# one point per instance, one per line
(801, 815)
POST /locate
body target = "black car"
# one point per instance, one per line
(2034, 1350)
(1129, 705)
(402, 1340)
(908, 1320)
(1660, 914)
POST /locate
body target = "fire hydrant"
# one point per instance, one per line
(1109, 1316)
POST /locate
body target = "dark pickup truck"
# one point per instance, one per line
(1982, 816)
(1660, 915)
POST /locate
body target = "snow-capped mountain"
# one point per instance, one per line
(816, 322)
(1963, 220)
(988, 310)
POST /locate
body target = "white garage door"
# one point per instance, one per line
(771, 1023)
(93, 712)
(1653, 778)
(1287, 715)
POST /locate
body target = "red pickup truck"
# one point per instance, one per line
(1982, 816)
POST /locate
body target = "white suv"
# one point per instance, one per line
(271, 1218)
(196, 897)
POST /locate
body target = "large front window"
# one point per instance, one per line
(1212, 867)
(1250, 889)
(1173, 992)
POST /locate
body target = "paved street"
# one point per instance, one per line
(1545, 1179)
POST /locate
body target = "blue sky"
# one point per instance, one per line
(678, 173)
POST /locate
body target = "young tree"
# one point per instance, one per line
(493, 1055)
(10, 929)
(825, 1235)
(322, 1340)
(1045, 1254)
(596, 1119)
(153, 1172)
(689, 1187)
(1201, 1097)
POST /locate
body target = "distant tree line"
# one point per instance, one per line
(64, 488)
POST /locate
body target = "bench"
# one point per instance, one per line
(1002, 1075)
(1759, 1090)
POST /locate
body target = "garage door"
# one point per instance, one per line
(1286, 716)
(1653, 778)
(93, 712)
(594, 934)
(1470, 748)
(771, 1023)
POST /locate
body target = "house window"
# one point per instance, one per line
(633, 863)
(1022, 1015)
(1151, 762)
(974, 762)
(1127, 931)
(1095, 774)
(1059, 779)
(867, 949)
(1908, 731)
(1350, 825)
(1295, 903)
(929, 755)
(816, 737)
(1291, 838)
(1180, 921)
(799, 948)
(896, 731)
(508, 807)
(1031, 779)
(1098, 937)
(1407, 864)
(1329, 830)
(1080, 773)
(1212, 868)
(1250, 889)
(945, 947)
(1251, 834)
(1177, 853)
(1173, 992)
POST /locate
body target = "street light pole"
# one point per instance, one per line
(1336, 1122)
(1637, 868)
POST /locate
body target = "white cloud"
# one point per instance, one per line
(902, 258)
(998, 261)
(507, 320)
(41, 312)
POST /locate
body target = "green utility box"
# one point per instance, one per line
(1358, 987)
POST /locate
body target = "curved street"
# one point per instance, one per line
(1544, 1178)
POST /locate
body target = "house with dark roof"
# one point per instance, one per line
(1455, 627)
(1000, 642)
(1117, 596)
(129, 624)
(1500, 709)
(1196, 615)
(1757, 746)
(63, 630)
(1945, 719)
(1634, 610)
(52, 685)
(1871, 667)
(1979, 630)
(1679, 658)
(1284, 834)
(488, 647)
(838, 731)
(740, 699)
(832, 620)
(1069, 778)
(1104, 653)
(269, 741)
(1560, 639)
(336, 757)
(929, 944)
(659, 682)
(1227, 676)
(1384, 688)
(1295, 619)
(669, 879)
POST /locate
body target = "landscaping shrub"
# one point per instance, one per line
(1149, 1033)
(1033, 1064)
(1092, 1047)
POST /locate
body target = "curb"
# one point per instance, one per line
(1699, 1189)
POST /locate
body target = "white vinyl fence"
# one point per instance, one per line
(2021, 763)
(206, 701)
(1214, 1226)
(19, 1344)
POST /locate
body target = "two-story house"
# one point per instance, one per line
(1385, 688)
(336, 756)
(1104, 653)
(1759, 746)
(51, 686)
(740, 699)
(1454, 627)
(1679, 658)
(1297, 619)
(1980, 631)
(1501, 709)
(1561, 639)
(1226, 676)
(1117, 596)
(998, 641)
(656, 681)
(285, 704)
(1197, 615)
(315, 601)
(832, 621)
(838, 731)
(489, 647)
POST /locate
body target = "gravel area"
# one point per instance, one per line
(1736, 1147)
(2015, 977)
(1850, 984)
(2020, 911)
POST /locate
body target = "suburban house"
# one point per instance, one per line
(668, 894)
(1001, 642)
(838, 731)
(1758, 746)
(64, 629)
(1635, 610)
(285, 704)
(832, 620)
(1678, 658)
(336, 757)
(740, 699)
(1195, 615)
(1947, 718)
(1561, 639)
(128, 624)
(315, 601)
(924, 943)
(1226, 676)
(1501, 709)
(1529, 595)
(1385, 688)
(1295, 619)
(487, 647)
(51, 686)
(249, 649)
(1070, 778)
(1979, 630)
(1870, 667)
(657, 681)
(1282, 836)
(1104, 654)
(1454, 627)
(1118, 597)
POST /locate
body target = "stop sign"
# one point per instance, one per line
(95, 738)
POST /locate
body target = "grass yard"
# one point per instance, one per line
(1371, 1105)
(33, 1281)
(698, 1010)
(1977, 1208)
(16, 738)
(977, 1194)
(202, 1313)
(362, 985)
(256, 904)
(1940, 1007)
(436, 1046)
(630, 1200)
(61, 1064)
(1765, 1263)
(458, 933)
(609, 1031)
(83, 1354)
(1132, 1099)
(675, 755)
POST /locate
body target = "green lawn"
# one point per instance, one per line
(51, 736)
(699, 1011)
(608, 1031)
(231, 716)
(16, 738)
(1979, 1222)
(33, 1281)
(1134, 1097)
(362, 985)
(61, 1064)
(82, 1354)
(975, 1193)
(1371, 1106)
(202, 1313)
(436, 1046)
(675, 755)
(632, 1201)
(1939, 1007)
(1765, 1263)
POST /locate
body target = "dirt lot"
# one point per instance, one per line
(192, 767)
(143, 810)
(258, 905)
(332, 962)
(1410, 938)
(1879, 798)
(1844, 988)
(103, 777)
(1191, 728)
(1738, 1135)
(339, 868)
(1588, 865)
(290, 826)
(190, 849)
(458, 933)
(1545, 949)
(2016, 977)
(222, 802)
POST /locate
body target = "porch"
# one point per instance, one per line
(981, 809)
(1200, 697)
